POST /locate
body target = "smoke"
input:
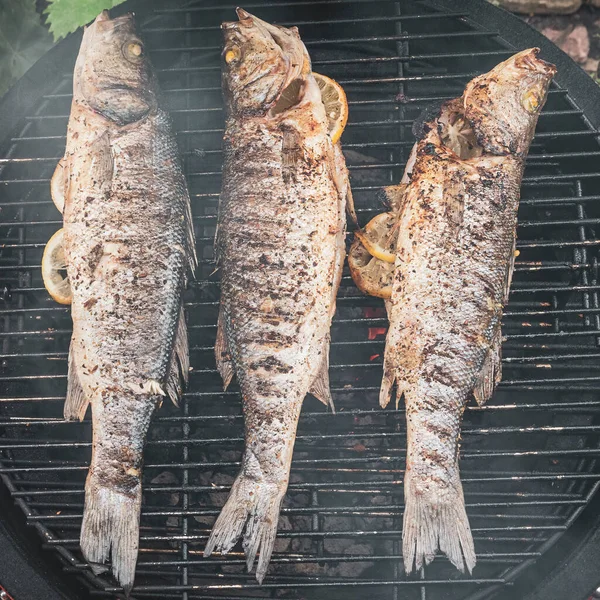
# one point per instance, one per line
(23, 39)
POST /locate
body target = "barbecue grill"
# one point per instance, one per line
(529, 458)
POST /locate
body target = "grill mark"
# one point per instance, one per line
(270, 363)
(442, 374)
(436, 457)
(440, 431)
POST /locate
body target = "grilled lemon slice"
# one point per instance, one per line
(371, 275)
(380, 235)
(336, 105)
(332, 96)
(54, 274)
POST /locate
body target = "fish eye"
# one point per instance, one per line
(134, 50)
(232, 54)
(531, 100)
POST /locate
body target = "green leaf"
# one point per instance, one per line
(65, 16)
(23, 40)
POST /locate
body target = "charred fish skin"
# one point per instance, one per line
(128, 243)
(454, 261)
(280, 250)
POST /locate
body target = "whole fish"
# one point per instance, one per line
(128, 242)
(454, 261)
(280, 249)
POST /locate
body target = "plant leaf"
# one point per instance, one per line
(23, 40)
(65, 16)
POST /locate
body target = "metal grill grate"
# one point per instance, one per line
(528, 458)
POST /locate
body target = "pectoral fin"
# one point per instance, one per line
(76, 403)
(101, 162)
(491, 372)
(222, 354)
(350, 205)
(320, 386)
(510, 270)
(180, 363)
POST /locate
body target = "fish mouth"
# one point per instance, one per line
(293, 51)
(104, 19)
(529, 60)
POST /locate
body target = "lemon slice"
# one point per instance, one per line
(336, 105)
(54, 275)
(371, 275)
(380, 235)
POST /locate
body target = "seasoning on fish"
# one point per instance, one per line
(454, 261)
(127, 244)
(280, 250)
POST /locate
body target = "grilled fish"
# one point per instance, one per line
(280, 249)
(128, 242)
(454, 262)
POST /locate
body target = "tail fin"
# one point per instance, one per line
(435, 517)
(258, 503)
(111, 522)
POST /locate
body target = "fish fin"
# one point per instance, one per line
(510, 270)
(190, 246)
(76, 403)
(180, 362)
(387, 383)
(320, 388)
(216, 251)
(290, 155)
(491, 372)
(388, 307)
(174, 179)
(435, 517)
(390, 377)
(154, 388)
(174, 387)
(222, 353)
(111, 523)
(350, 205)
(258, 503)
(339, 172)
(58, 184)
(101, 168)
(182, 349)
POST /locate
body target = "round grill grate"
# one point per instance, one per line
(528, 458)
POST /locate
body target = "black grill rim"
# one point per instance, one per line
(568, 571)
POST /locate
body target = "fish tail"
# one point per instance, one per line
(258, 503)
(435, 517)
(111, 522)
(113, 489)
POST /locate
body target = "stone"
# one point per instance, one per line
(574, 40)
(591, 65)
(540, 7)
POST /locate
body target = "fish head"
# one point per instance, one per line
(259, 61)
(503, 105)
(113, 74)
